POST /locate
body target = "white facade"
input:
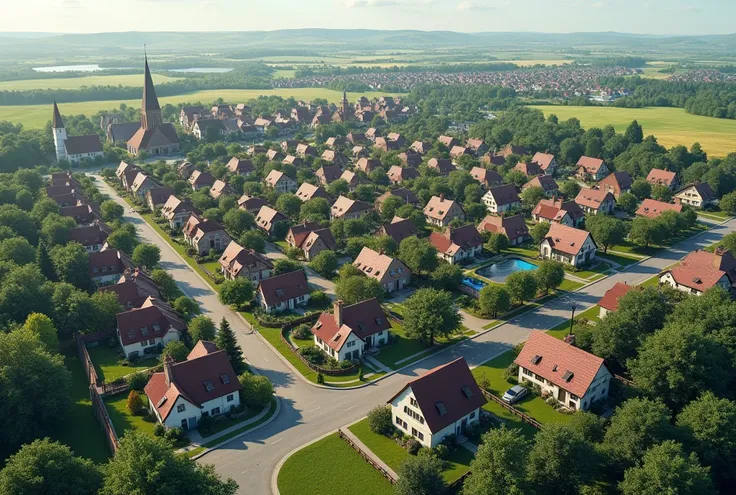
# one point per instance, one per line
(691, 196)
(409, 419)
(186, 415)
(284, 305)
(494, 207)
(59, 138)
(585, 255)
(597, 390)
(668, 279)
(460, 254)
(139, 347)
(353, 347)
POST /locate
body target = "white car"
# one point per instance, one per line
(514, 394)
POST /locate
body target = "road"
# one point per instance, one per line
(308, 412)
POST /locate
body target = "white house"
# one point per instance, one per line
(701, 270)
(444, 401)
(283, 292)
(352, 330)
(441, 212)
(281, 182)
(572, 376)
(697, 195)
(500, 199)
(146, 330)
(568, 245)
(203, 385)
(455, 245)
(106, 266)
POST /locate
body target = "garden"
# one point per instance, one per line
(110, 364)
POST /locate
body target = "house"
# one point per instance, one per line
(500, 199)
(574, 377)
(267, 218)
(652, 208)
(158, 196)
(391, 273)
(82, 214)
(328, 174)
(368, 165)
(397, 174)
(93, 238)
(697, 195)
(142, 184)
(486, 177)
(288, 144)
(146, 330)
(185, 170)
(349, 209)
(71, 199)
(544, 182)
(386, 144)
(308, 191)
(356, 138)
(177, 211)
(298, 233)
(353, 180)
(359, 152)
(129, 176)
(410, 159)
(292, 160)
(440, 211)
(119, 133)
(616, 183)
(201, 180)
(132, 289)
(529, 169)
(513, 227)
(205, 235)
(558, 211)
(591, 169)
(334, 157)
(445, 401)
(207, 127)
(456, 245)
(304, 150)
(407, 196)
(317, 241)
(274, 156)
(352, 330)
(237, 261)
(280, 182)
(595, 201)
(240, 166)
(568, 245)
(659, 177)
(701, 270)
(203, 385)
(421, 147)
(283, 292)
(251, 204)
(220, 188)
(546, 162)
(458, 151)
(444, 167)
(124, 167)
(399, 229)
(73, 148)
(189, 114)
(609, 301)
(477, 146)
(108, 265)
(448, 141)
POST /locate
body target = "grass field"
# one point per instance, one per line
(106, 361)
(671, 126)
(36, 116)
(123, 420)
(78, 82)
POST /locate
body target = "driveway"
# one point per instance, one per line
(314, 278)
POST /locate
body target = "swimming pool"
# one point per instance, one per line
(498, 272)
(473, 283)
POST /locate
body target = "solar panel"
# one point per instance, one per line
(440, 408)
(209, 386)
(225, 379)
(467, 392)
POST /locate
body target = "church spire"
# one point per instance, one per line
(57, 123)
(150, 109)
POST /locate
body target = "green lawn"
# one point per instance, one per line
(718, 215)
(570, 285)
(524, 251)
(394, 455)
(618, 258)
(107, 363)
(403, 347)
(651, 282)
(672, 126)
(212, 266)
(123, 420)
(563, 328)
(511, 419)
(282, 244)
(80, 429)
(78, 82)
(592, 272)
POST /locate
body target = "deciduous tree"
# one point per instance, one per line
(237, 292)
(430, 313)
(522, 286)
(493, 300)
(147, 255)
(418, 255)
(499, 467)
(201, 328)
(539, 232)
(257, 390)
(550, 275)
(420, 476)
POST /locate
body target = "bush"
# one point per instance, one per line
(320, 378)
(511, 373)
(361, 377)
(302, 332)
(380, 420)
(135, 403)
(159, 430)
(174, 435)
(312, 355)
(441, 451)
(413, 446)
(318, 299)
(137, 381)
(205, 424)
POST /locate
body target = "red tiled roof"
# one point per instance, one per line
(701, 270)
(512, 227)
(301, 231)
(652, 208)
(363, 319)
(543, 160)
(661, 177)
(529, 169)
(452, 240)
(610, 299)
(236, 257)
(592, 198)
(142, 324)
(438, 207)
(566, 239)
(591, 165)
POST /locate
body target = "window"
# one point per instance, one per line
(225, 379)
(215, 411)
(180, 408)
(414, 432)
(151, 342)
(527, 372)
(398, 420)
(472, 415)
(420, 435)
(209, 386)
(144, 331)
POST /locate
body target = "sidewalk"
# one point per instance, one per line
(198, 441)
(346, 431)
(376, 364)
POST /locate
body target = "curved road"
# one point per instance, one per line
(309, 412)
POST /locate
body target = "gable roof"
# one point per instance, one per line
(142, 324)
(593, 198)
(175, 205)
(444, 389)
(362, 319)
(546, 182)
(555, 358)
(200, 178)
(344, 205)
(267, 217)
(235, 258)
(237, 165)
(438, 207)
(701, 270)
(618, 180)
(160, 195)
(405, 194)
(274, 176)
(452, 240)
(329, 173)
(399, 229)
(76, 145)
(661, 177)
(111, 260)
(555, 209)
(284, 287)
(442, 165)
(308, 191)
(378, 265)
(652, 208)
(566, 239)
(544, 160)
(324, 234)
(529, 169)
(89, 236)
(610, 299)
(512, 227)
(251, 203)
(399, 174)
(301, 231)
(702, 188)
(504, 195)
(486, 176)
(591, 165)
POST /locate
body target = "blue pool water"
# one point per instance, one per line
(498, 272)
(474, 283)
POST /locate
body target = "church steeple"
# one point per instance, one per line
(150, 108)
(345, 105)
(56, 122)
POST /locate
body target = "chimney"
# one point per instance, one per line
(442, 197)
(168, 363)
(338, 312)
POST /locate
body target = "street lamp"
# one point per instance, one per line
(572, 319)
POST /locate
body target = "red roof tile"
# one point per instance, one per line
(610, 299)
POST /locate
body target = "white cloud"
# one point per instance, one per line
(471, 5)
(70, 4)
(352, 4)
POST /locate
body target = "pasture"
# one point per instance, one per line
(78, 82)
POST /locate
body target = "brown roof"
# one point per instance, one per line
(504, 195)
(377, 265)
(442, 165)
(593, 198)
(486, 176)
(652, 208)
(199, 178)
(410, 159)
(398, 174)
(363, 319)
(512, 227)
(140, 179)
(324, 234)
(701, 270)
(368, 165)
(555, 359)
(112, 260)
(566, 239)
(83, 144)
(658, 176)
(267, 217)
(452, 240)
(163, 135)
(620, 181)
(445, 394)
(308, 191)
(251, 203)
(301, 231)
(274, 176)
(160, 195)
(448, 141)
(53, 191)
(237, 165)
(529, 169)
(405, 194)
(555, 209)
(459, 151)
(329, 173)
(610, 299)
(399, 229)
(142, 324)
(175, 205)
(438, 207)
(344, 205)
(546, 182)
(284, 287)
(474, 144)
(219, 188)
(703, 188)
(88, 236)
(543, 160)
(591, 165)
(236, 257)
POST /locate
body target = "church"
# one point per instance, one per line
(75, 148)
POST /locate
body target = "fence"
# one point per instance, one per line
(313, 367)
(367, 457)
(525, 418)
(623, 380)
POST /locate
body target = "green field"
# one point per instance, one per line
(78, 82)
(36, 116)
(671, 126)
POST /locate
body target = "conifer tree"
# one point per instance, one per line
(226, 341)
(44, 261)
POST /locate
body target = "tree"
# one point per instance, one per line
(237, 292)
(421, 476)
(728, 203)
(201, 328)
(627, 202)
(389, 207)
(165, 283)
(324, 263)
(289, 205)
(43, 260)
(134, 403)
(641, 189)
(634, 133)
(41, 325)
(238, 221)
(539, 232)
(177, 349)
(550, 275)
(357, 288)
(515, 177)
(430, 313)
(55, 229)
(447, 276)
(123, 240)
(668, 469)
(282, 266)
(380, 420)
(522, 286)
(499, 467)
(111, 210)
(338, 187)
(570, 189)
(661, 193)
(532, 195)
(646, 231)
(71, 264)
(256, 390)
(227, 341)
(606, 230)
(496, 242)
(147, 255)
(493, 300)
(561, 461)
(17, 250)
(253, 240)
(131, 471)
(46, 467)
(186, 306)
(418, 255)
(315, 210)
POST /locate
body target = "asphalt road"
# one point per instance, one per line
(309, 412)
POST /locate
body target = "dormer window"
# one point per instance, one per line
(144, 331)
(536, 359)
(209, 386)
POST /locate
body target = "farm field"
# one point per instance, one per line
(36, 116)
(671, 126)
(78, 82)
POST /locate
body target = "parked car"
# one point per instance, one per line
(514, 394)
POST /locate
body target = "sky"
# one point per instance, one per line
(558, 16)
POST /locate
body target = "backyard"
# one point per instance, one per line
(107, 363)
(123, 420)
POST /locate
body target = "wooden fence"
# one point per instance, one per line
(525, 418)
(313, 367)
(623, 380)
(367, 457)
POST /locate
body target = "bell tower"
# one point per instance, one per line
(59, 131)
(150, 108)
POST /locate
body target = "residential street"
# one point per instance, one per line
(308, 412)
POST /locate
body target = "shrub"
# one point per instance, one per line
(413, 446)
(345, 364)
(205, 424)
(320, 378)
(511, 372)
(380, 420)
(135, 403)
(137, 381)
(360, 374)
(159, 430)
(302, 332)
(318, 299)
(313, 355)
(442, 451)
(174, 435)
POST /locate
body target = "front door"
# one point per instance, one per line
(184, 425)
(192, 422)
(369, 341)
(561, 396)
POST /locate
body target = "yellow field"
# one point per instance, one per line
(671, 126)
(529, 63)
(36, 116)
(78, 82)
